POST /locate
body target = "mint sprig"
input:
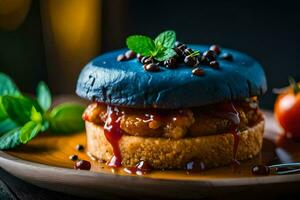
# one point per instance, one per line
(64, 118)
(44, 96)
(29, 131)
(161, 48)
(141, 44)
(22, 118)
(166, 39)
(165, 55)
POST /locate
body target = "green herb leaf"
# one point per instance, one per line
(6, 125)
(165, 55)
(7, 86)
(166, 39)
(10, 139)
(161, 48)
(141, 44)
(45, 125)
(66, 118)
(3, 114)
(29, 131)
(18, 109)
(44, 96)
(35, 115)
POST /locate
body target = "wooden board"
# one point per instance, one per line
(45, 162)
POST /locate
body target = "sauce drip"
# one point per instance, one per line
(141, 168)
(113, 134)
(228, 111)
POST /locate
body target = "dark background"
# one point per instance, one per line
(268, 31)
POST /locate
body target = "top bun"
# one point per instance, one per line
(126, 83)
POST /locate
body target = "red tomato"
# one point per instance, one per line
(287, 113)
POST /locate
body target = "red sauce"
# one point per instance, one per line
(113, 134)
(228, 111)
(141, 168)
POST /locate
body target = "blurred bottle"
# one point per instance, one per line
(13, 13)
(72, 36)
(22, 49)
(48, 40)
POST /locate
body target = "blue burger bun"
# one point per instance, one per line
(126, 83)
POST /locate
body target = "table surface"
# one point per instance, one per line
(15, 189)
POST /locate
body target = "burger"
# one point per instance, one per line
(173, 106)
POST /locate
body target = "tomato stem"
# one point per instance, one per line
(294, 85)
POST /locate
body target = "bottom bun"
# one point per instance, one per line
(163, 153)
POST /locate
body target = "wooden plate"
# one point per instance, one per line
(44, 162)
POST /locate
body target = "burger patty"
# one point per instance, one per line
(176, 124)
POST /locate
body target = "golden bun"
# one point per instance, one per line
(163, 153)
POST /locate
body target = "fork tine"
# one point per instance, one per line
(285, 165)
(287, 172)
